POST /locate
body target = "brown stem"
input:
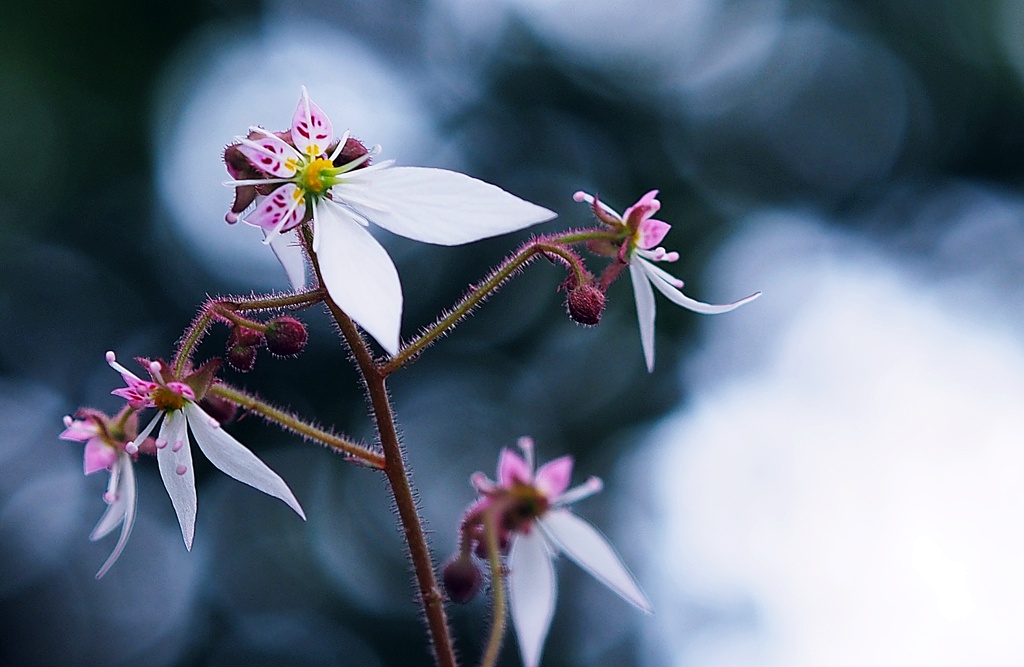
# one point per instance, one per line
(431, 599)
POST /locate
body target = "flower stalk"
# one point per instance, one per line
(556, 245)
(396, 471)
(290, 422)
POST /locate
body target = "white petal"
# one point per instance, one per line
(585, 545)
(531, 592)
(680, 299)
(180, 487)
(436, 205)
(127, 502)
(288, 251)
(359, 274)
(235, 459)
(116, 511)
(645, 310)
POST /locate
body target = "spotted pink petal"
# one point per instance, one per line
(270, 155)
(98, 456)
(311, 128)
(512, 469)
(652, 232)
(281, 210)
(553, 477)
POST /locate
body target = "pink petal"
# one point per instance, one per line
(283, 205)
(553, 477)
(512, 469)
(79, 430)
(270, 155)
(644, 208)
(311, 128)
(98, 456)
(652, 232)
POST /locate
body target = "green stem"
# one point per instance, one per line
(396, 471)
(498, 621)
(495, 279)
(292, 423)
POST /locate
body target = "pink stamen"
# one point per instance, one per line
(160, 443)
(231, 217)
(177, 446)
(68, 421)
(110, 497)
(213, 423)
(181, 470)
(131, 447)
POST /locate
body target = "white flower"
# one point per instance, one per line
(640, 250)
(314, 174)
(535, 525)
(179, 414)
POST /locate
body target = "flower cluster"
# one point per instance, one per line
(530, 512)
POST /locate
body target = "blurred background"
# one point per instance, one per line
(827, 476)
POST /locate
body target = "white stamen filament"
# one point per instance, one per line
(340, 147)
(112, 362)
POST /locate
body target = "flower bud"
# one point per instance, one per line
(285, 336)
(461, 578)
(241, 357)
(242, 335)
(585, 303)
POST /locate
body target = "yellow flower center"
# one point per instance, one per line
(312, 178)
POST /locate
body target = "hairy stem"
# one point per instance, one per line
(396, 471)
(290, 422)
(552, 245)
(498, 621)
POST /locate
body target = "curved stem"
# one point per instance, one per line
(292, 423)
(395, 469)
(498, 621)
(224, 309)
(555, 245)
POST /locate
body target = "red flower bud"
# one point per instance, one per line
(286, 336)
(242, 335)
(241, 357)
(585, 303)
(461, 578)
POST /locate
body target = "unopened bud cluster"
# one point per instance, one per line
(284, 336)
